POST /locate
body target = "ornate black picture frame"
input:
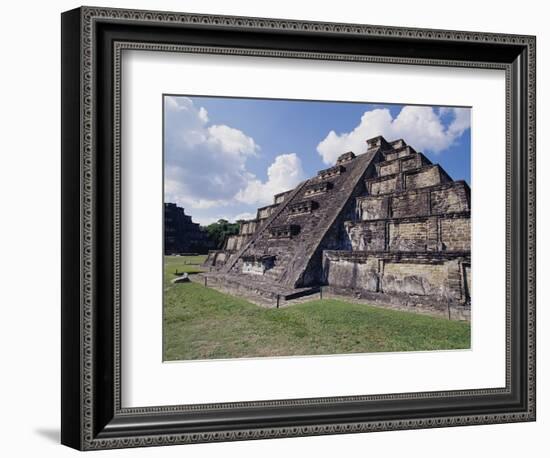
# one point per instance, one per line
(92, 41)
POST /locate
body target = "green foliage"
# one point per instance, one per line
(202, 323)
(219, 230)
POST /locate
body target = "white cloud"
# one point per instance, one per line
(282, 175)
(231, 141)
(421, 127)
(204, 165)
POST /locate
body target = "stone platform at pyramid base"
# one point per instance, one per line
(436, 282)
(406, 303)
(257, 290)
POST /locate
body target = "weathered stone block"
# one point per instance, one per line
(427, 176)
(353, 275)
(450, 199)
(280, 198)
(384, 185)
(248, 227)
(398, 153)
(367, 235)
(407, 236)
(370, 208)
(389, 168)
(455, 234)
(266, 212)
(416, 279)
(234, 242)
(410, 204)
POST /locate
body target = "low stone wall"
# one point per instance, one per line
(431, 281)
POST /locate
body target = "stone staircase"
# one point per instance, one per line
(313, 214)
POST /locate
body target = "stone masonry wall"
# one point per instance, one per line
(389, 169)
(433, 200)
(409, 236)
(409, 204)
(455, 234)
(429, 279)
(450, 199)
(417, 279)
(371, 207)
(384, 185)
(369, 236)
(386, 225)
(433, 233)
(429, 176)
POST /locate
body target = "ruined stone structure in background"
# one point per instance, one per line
(386, 226)
(181, 234)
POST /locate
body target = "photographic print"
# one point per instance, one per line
(298, 227)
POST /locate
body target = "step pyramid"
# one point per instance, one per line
(387, 206)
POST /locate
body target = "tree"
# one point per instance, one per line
(219, 230)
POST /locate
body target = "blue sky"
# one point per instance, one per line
(224, 157)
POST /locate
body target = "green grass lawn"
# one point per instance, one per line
(202, 323)
(189, 264)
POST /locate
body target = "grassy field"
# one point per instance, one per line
(189, 264)
(201, 323)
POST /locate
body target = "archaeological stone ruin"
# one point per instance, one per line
(386, 227)
(181, 234)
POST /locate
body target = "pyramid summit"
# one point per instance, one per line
(386, 226)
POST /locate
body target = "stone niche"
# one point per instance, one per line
(302, 208)
(285, 231)
(346, 157)
(331, 172)
(257, 265)
(318, 188)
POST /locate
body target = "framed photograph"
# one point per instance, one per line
(278, 228)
